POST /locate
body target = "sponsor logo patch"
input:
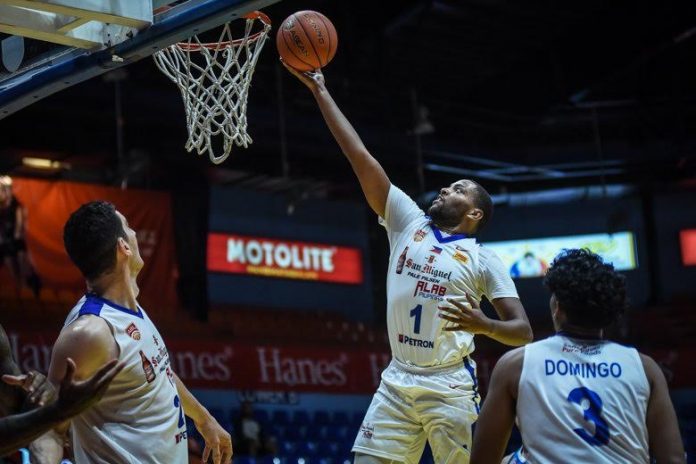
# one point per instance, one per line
(133, 332)
(461, 257)
(367, 430)
(419, 235)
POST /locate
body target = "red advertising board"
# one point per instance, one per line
(688, 246)
(309, 369)
(266, 257)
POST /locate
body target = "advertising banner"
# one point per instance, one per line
(48, 205)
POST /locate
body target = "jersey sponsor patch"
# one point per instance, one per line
(418, 343)
(367, 430)
(419, 235)
(461, 257)
(133, 332)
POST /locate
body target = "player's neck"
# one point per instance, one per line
(121, 290)
(452, 229)
(575, 331)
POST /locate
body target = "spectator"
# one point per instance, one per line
(250, 437)
(13, 247)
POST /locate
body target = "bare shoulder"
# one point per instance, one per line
(512, 359)
(508, 369)
(88, 342)
(651, 368)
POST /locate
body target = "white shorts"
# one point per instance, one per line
(413, 405)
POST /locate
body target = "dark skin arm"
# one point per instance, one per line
(11, 399)
(497, 416)
(512, 329)
(373, 180)
(664, 439)
(74, 397)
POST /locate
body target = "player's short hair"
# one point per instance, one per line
(590, 292)
(90, 237)
(483, 201)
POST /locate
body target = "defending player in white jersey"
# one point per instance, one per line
(140, 417)
(428, 392)
(577, 397)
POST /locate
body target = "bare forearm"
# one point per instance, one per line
(48, 448)
(514, 332)
(19, 430)
(373, 179)
(192, 407)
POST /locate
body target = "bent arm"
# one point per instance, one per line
(494, 425)
(513, 327)
(663, 429)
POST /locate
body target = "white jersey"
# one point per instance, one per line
(591, 397)
(425, 267)
(140, 418)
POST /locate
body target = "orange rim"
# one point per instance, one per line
(260, 15)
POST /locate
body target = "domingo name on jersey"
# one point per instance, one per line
(426, 266)
(140, 418)
(592, 397)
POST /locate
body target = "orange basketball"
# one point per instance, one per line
(307, 40)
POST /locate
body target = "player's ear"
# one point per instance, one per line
(123, 247)
(475, 214)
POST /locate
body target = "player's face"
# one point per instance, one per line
(452, 204)
(135, 262)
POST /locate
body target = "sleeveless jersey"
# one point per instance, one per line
(425, 267)
(140, 418)
(583, 401)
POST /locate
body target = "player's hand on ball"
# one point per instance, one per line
(38, 389)
(312, 79)
(218, 442)
(465, 316)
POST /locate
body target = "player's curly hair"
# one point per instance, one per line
(588, 290)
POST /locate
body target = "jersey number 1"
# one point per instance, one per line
(416, 312)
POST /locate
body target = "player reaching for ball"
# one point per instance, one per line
(436, 271)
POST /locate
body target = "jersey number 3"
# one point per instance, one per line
(593, 414)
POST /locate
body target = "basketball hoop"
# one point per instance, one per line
(214, 81)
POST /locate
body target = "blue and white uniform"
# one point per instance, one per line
(428, 392)
(591, 397)
(140, 418)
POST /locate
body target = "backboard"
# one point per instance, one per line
(49, 45)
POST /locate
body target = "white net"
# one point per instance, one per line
(214, 80)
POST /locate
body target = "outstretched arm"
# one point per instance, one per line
(373, 180)
(73, 397)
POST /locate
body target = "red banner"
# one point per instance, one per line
(688, 246)
(238, 254)
(239, 366)
(49, 204)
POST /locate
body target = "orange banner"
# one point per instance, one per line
(49, 204)
(266, 257)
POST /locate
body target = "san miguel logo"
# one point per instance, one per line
(266, 257)
(133, 332)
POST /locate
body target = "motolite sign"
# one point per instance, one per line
(240, 254)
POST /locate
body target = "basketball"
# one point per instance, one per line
(307, 40)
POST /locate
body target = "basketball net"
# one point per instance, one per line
(214, 81)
